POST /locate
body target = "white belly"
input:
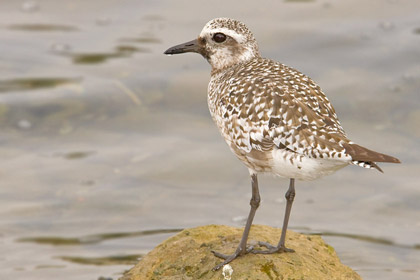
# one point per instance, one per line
(303, 168)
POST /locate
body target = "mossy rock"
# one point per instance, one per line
(187, 255)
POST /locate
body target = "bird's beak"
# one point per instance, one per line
(191, 46)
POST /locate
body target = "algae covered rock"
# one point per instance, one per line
(187, 255)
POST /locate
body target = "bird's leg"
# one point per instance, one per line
(242, 249)
(290, 195)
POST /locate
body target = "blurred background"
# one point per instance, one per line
(107, 146)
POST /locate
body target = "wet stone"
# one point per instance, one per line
(187, 255)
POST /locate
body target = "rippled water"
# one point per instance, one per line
(107, 147)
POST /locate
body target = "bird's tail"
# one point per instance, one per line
(367, 158)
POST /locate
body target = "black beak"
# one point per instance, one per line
(191, 46)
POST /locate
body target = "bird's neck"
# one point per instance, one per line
(220, 63)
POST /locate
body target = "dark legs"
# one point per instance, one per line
(290, 196)
(255, 202)
(241, 250)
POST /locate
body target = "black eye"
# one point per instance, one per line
(219, 37)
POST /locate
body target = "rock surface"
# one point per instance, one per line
(187, 255)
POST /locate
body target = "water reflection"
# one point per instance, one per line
(92, 239)
(111, 260)
(97, 238)
(78, 154)
(131, 49)
(94, 58)
(299, 1)
(42, 27)
(157, 18)
(366, 238)
(49, 266)
(143, 40)
(24, 84)
(121, 51)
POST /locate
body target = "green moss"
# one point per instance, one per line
(330, 249)
(203, 274)
(270, 270)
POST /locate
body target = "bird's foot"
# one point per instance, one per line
(229, 258)
(271, 249)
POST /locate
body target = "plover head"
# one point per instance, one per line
(223, 42)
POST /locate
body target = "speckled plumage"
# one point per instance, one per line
(274, 118)
(265, 109)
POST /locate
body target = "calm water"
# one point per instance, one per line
(107, 147)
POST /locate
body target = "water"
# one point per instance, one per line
(108, 148)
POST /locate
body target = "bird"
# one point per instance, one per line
(274, 118)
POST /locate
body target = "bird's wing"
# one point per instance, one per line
(307, 131)
(288, 111)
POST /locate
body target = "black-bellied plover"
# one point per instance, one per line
(274, 118)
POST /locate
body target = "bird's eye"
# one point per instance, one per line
(219, 37)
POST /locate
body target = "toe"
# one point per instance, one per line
(267, 245)
(220, 255)
(271, 249)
